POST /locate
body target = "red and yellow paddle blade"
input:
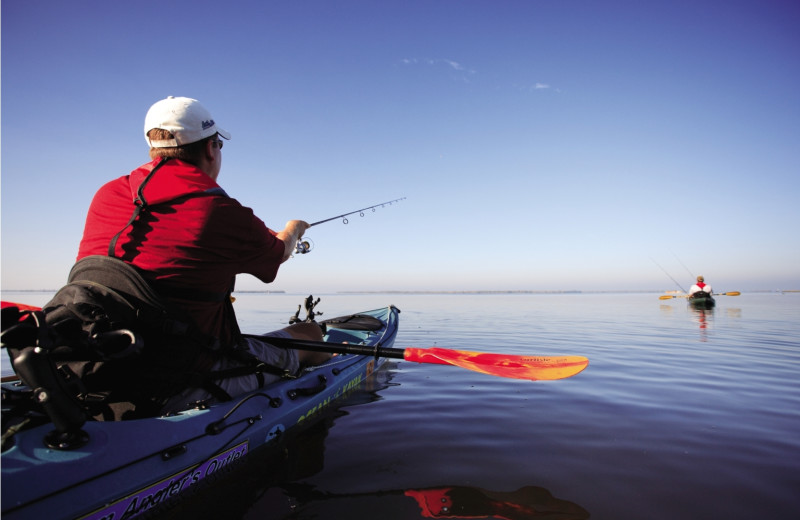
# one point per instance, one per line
(533, 368)
(20, 306)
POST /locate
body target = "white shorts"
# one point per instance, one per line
(284, 358)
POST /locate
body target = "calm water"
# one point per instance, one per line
(681, 414)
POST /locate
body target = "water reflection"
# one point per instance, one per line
(472, 502)
(733, 312)
(271, 483)
(704, 317)
(254, 488)
(529, 502)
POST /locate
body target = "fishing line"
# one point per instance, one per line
(679, 261)
(305, 245)
(670, 277)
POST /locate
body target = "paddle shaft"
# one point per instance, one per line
(669, 296)
(531, 367)
(409, 354)
(336, 348)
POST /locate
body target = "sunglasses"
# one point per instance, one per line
(219, 143)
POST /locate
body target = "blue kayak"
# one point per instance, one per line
(127, 468)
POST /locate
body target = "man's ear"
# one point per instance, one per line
(208, 151)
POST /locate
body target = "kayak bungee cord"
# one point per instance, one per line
(305, 245)
(176, 449)
(216, 427)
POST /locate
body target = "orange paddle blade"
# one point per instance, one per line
(534, 368)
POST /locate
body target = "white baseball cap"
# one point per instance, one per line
(183, 117)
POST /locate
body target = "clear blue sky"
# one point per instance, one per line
(540, 145)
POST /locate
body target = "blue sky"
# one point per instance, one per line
(540, 145)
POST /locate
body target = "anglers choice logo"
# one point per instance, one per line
(208, 124)
(149, 497)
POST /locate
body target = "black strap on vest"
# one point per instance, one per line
(251, 366)
(141, 205)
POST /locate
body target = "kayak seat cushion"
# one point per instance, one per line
(354, 322)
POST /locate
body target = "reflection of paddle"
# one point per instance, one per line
(532, 367)
(469, 502)
(671, 296)
(463, 502)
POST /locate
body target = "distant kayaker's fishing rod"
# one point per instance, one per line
(684, 265)
(305, 245)
(670, 277)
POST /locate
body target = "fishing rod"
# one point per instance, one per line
(304, 245)
(670, 277)
(361, 211)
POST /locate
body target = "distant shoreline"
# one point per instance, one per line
(643, 291)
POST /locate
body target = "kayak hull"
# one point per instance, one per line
(702, 300)
(130, 467)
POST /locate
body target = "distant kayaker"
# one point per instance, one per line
(700, 286)
(194, 239)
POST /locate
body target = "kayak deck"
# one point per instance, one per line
(129, 467)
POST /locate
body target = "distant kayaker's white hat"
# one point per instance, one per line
(183, 117)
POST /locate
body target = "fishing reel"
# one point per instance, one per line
(303, 246)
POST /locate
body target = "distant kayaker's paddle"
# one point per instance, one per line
(671, 296)
(533, 368)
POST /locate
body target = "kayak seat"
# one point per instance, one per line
(354, 322)
(124, 349)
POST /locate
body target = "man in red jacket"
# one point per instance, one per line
(700, 286)
(172, 220)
